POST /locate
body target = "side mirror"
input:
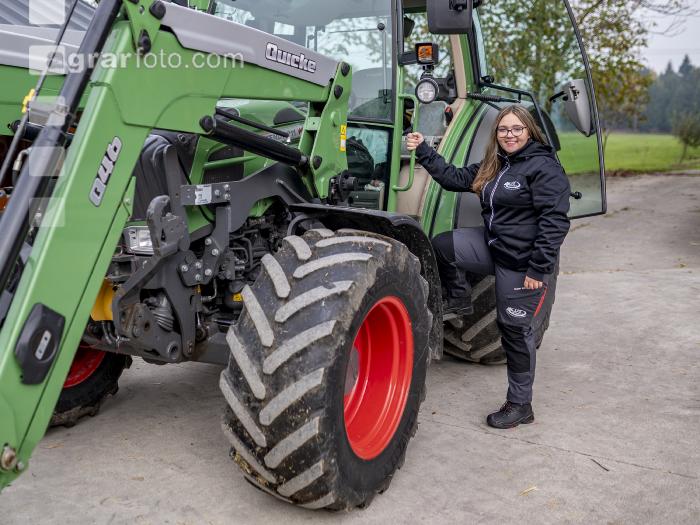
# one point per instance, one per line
(450, 16)
(577, 105)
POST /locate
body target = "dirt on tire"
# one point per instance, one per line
(85, 398)
(290, 352)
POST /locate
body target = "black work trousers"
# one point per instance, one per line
(518, 310)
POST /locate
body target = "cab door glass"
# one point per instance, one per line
(359, 33)
(534, 46)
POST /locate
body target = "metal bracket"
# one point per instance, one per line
(134, 320)
(144, 17)
(167, 230)
(277, 180)
(203, 270)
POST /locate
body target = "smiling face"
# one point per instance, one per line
(508, 127)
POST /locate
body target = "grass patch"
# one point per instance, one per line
(627, 152)
(647, 152)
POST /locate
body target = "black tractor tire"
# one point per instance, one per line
(476, 338)
(294, 364)
(86, 396)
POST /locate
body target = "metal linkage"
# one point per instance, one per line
(218, 129)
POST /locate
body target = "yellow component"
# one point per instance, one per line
(28, 99)
(102, 309)
(343, 136)
(238, 298)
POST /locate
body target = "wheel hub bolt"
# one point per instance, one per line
(8, 458)
(184, 268)
(207, 241)
(215, 252)
(207, 272)
(198, 277)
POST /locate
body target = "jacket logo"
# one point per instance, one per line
(274, 53)
(515, 312)
(511, 185)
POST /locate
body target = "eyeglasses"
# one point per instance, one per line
(516, 131)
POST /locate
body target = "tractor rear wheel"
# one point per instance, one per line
(476, 337)
(327, 368)
(92, 377)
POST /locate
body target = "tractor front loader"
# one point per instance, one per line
(226, 182)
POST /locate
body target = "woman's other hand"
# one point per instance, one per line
(532, 284)
(413, 140)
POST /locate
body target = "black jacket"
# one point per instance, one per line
(524, 207)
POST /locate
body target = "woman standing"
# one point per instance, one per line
(524, 196)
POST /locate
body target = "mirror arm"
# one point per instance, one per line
(491, 98)
(556, 96)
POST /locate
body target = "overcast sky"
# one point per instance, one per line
(663, 48)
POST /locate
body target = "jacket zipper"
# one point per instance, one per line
(495, 186)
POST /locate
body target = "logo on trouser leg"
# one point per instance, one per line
(515, 312)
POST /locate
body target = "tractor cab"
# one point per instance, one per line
(444, 68)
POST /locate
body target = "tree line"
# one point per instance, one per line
(672, 96)
(665, 103)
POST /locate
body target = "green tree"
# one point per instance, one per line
(528, 45)
(672, 94)
(532, 47)
(687, 129)
(686, 67)
(614, 36)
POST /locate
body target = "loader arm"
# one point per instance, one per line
(49, 286)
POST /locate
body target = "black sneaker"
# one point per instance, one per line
(511, 415)
(457, 306)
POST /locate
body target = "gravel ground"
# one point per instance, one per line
(617, 403)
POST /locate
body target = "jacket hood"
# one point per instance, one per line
(531, 149)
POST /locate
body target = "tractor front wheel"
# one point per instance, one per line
(327, 368)
(92, 377)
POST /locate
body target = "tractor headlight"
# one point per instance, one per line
(138, 240)
(427, 90)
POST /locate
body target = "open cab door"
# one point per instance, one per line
(532, 53)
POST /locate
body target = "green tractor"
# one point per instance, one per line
(226, 182)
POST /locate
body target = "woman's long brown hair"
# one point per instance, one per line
(490, 165)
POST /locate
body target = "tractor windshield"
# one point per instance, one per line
(357, 32)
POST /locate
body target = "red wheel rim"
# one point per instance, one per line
(378, 377)
(85, 362)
